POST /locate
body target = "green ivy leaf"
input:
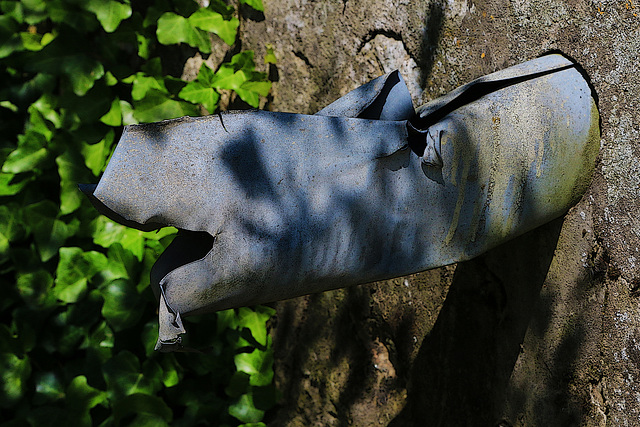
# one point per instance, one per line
(227, 78)
(255, 321)
(14, 372)
(35, 289)
(114, 115)
(9, 186)
(250, 97)
(213, 22)
(49, 232)
(174, 29)
(100, 342)
(170, 371)
(44, 108)
(13, 9)
(258, 364)
(106, 233)
(256, 4)
(79, 67)
(261, 88)
(80, 398)
(143, 83)
(124, 376)
(29, 155)
(71, 171)
(109, 12)
(150, 410)
(9, 106)
(158, 106)
(11, 226)
(122, 263)
(31, 41)
(71, 15)
(121, 307)
(143, 46)
(201, 93)
(238, 384)
(74, 270)
(10, 40)
(96, 155)
(244, 410)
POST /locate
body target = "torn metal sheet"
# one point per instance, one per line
(275, 205)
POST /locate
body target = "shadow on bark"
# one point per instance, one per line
(461, 373)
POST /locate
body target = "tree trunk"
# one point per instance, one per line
(543, 330)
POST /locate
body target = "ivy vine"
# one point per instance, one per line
(78, 318)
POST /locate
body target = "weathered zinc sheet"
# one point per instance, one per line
(276, 205)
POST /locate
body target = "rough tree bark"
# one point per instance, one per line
(543, 330)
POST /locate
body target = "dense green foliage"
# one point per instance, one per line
(78, 319)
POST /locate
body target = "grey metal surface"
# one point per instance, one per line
(277, 205)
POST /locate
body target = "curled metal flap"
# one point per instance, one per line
(435, 110)
(170, 328)
(383, 98)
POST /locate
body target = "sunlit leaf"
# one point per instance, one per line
(258, 364)
(31, 41)
(74, 270)
(105, 233)
(96, 155)
(143, 83)
(114, 115)
(261, 88)
(109, 12)
(173, 29)
(213, 22)
(9, 185)
(256, 322)
(29, 155)
(245, 411)
(198, 93)
(9, 106)
(157, 106)
(256, 4)
(71, 170)
(250, 97)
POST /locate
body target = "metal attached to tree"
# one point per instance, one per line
(272, 205)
